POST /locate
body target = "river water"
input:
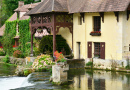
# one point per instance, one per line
(79, 79)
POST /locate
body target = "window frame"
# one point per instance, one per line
(97, 49)
(96, 23)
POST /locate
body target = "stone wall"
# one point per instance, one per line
(19, 61)
(76, 63)
(103, 64)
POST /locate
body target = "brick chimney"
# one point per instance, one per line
(21, 3)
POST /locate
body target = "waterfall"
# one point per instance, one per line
(11, 82)
(25, 82)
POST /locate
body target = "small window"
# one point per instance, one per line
(129, 47)
(97, 23)
(97, 50)
(79, 20)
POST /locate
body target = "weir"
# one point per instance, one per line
(76, 63)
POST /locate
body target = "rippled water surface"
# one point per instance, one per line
(79, 79)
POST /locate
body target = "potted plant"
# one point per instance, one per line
(59, 58)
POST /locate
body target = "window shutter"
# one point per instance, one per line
(89, 49)
(102, 50)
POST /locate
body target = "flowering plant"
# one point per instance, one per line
(96, 32)
(59, 57)
(17, 54)
(42, 61)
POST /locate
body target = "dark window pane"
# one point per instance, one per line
(97, 23)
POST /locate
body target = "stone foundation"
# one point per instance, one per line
(59, 73)
(107, 64)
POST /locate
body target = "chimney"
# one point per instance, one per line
(21, 3)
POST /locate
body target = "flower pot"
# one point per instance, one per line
(95, 34)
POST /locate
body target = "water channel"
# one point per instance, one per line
(79, 79)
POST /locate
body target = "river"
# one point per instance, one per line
(79, 79)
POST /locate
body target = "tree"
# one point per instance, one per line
(0, 12)
(8, 7)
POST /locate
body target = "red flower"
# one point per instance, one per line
(96, 32)
(58, 55)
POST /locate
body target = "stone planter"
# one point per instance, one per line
(61, 63)
(59, 72)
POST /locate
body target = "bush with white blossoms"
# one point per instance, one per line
(42, 61)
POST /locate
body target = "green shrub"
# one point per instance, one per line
(2, 52)
(8, 37)
(46, 45)
(36, 51)
(26, 72)
(89, 64)
(6, 59)
(127, 67)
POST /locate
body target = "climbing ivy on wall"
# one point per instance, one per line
(9, 34)
(25, 36)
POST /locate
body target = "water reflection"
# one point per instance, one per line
(6, 69)
(101, 80)
(79, 79)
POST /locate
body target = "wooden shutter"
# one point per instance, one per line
(102, 50)
(89, 49)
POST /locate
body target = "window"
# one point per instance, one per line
(79, 20)
(129, 47)
(97, 50)
(97, 23)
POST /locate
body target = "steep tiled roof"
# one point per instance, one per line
(76, 6)
(24, 8)
(50, 6)
(24, 17)
(2, 30)
(12, 18)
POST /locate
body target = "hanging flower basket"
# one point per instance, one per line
(39, 30)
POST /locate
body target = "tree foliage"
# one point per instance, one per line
(8, 38)
(25, 36)
(8, 7)
(46, 45)
(10, 33)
